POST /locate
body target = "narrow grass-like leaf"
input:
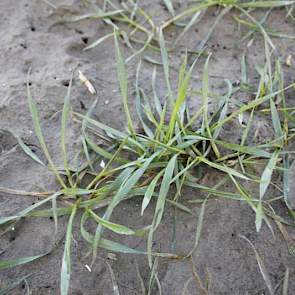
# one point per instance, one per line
(166, 146)
(265, 4)
(244, 76)
(143, 289)
(109, 130)
(186, 286)
(55, 215)
(211, 29)
(215, 192)
(224, 168)
(160, 204)
(149, 192)
(99, 150)
(122, 75)
(165, 185)
(66, 260)
(160, 134)
(205, 97)
(179, 206)
(286, 180)
(224, 109)
(118, 247)
(262, 267)
(28, 151)
(146, 128)
(121, 193)
(196, 17)
(205, 103)
(35, 118)
(250, 106)
(28, 210)
(152, 276)
(263, 32)
(249, 199)
(143, 48)
(165, 62)
(74, 191)
(114, 281)
(186, 169)
(189, 11)
(156, 98)
(244, 149)
(259, 216)
(64, 121)
(129, 184)
(19, 261)
(49, 212)
(84, 133)
(169, 6)
(49, 4)
(104, 243)
(286, 281)
(98, 41)
(184, 80)
(92, 16)
(117, 228)
(276, 120)
(267, 174)
(189, 143)
(6, 290)
(199, 228)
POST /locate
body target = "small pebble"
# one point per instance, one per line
(106, 102)
(102, 164)
(289, 60)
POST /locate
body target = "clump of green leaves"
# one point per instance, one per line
(166, 154)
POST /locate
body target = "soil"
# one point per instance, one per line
(30, 37)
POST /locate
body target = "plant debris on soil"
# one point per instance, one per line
(147, 147)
